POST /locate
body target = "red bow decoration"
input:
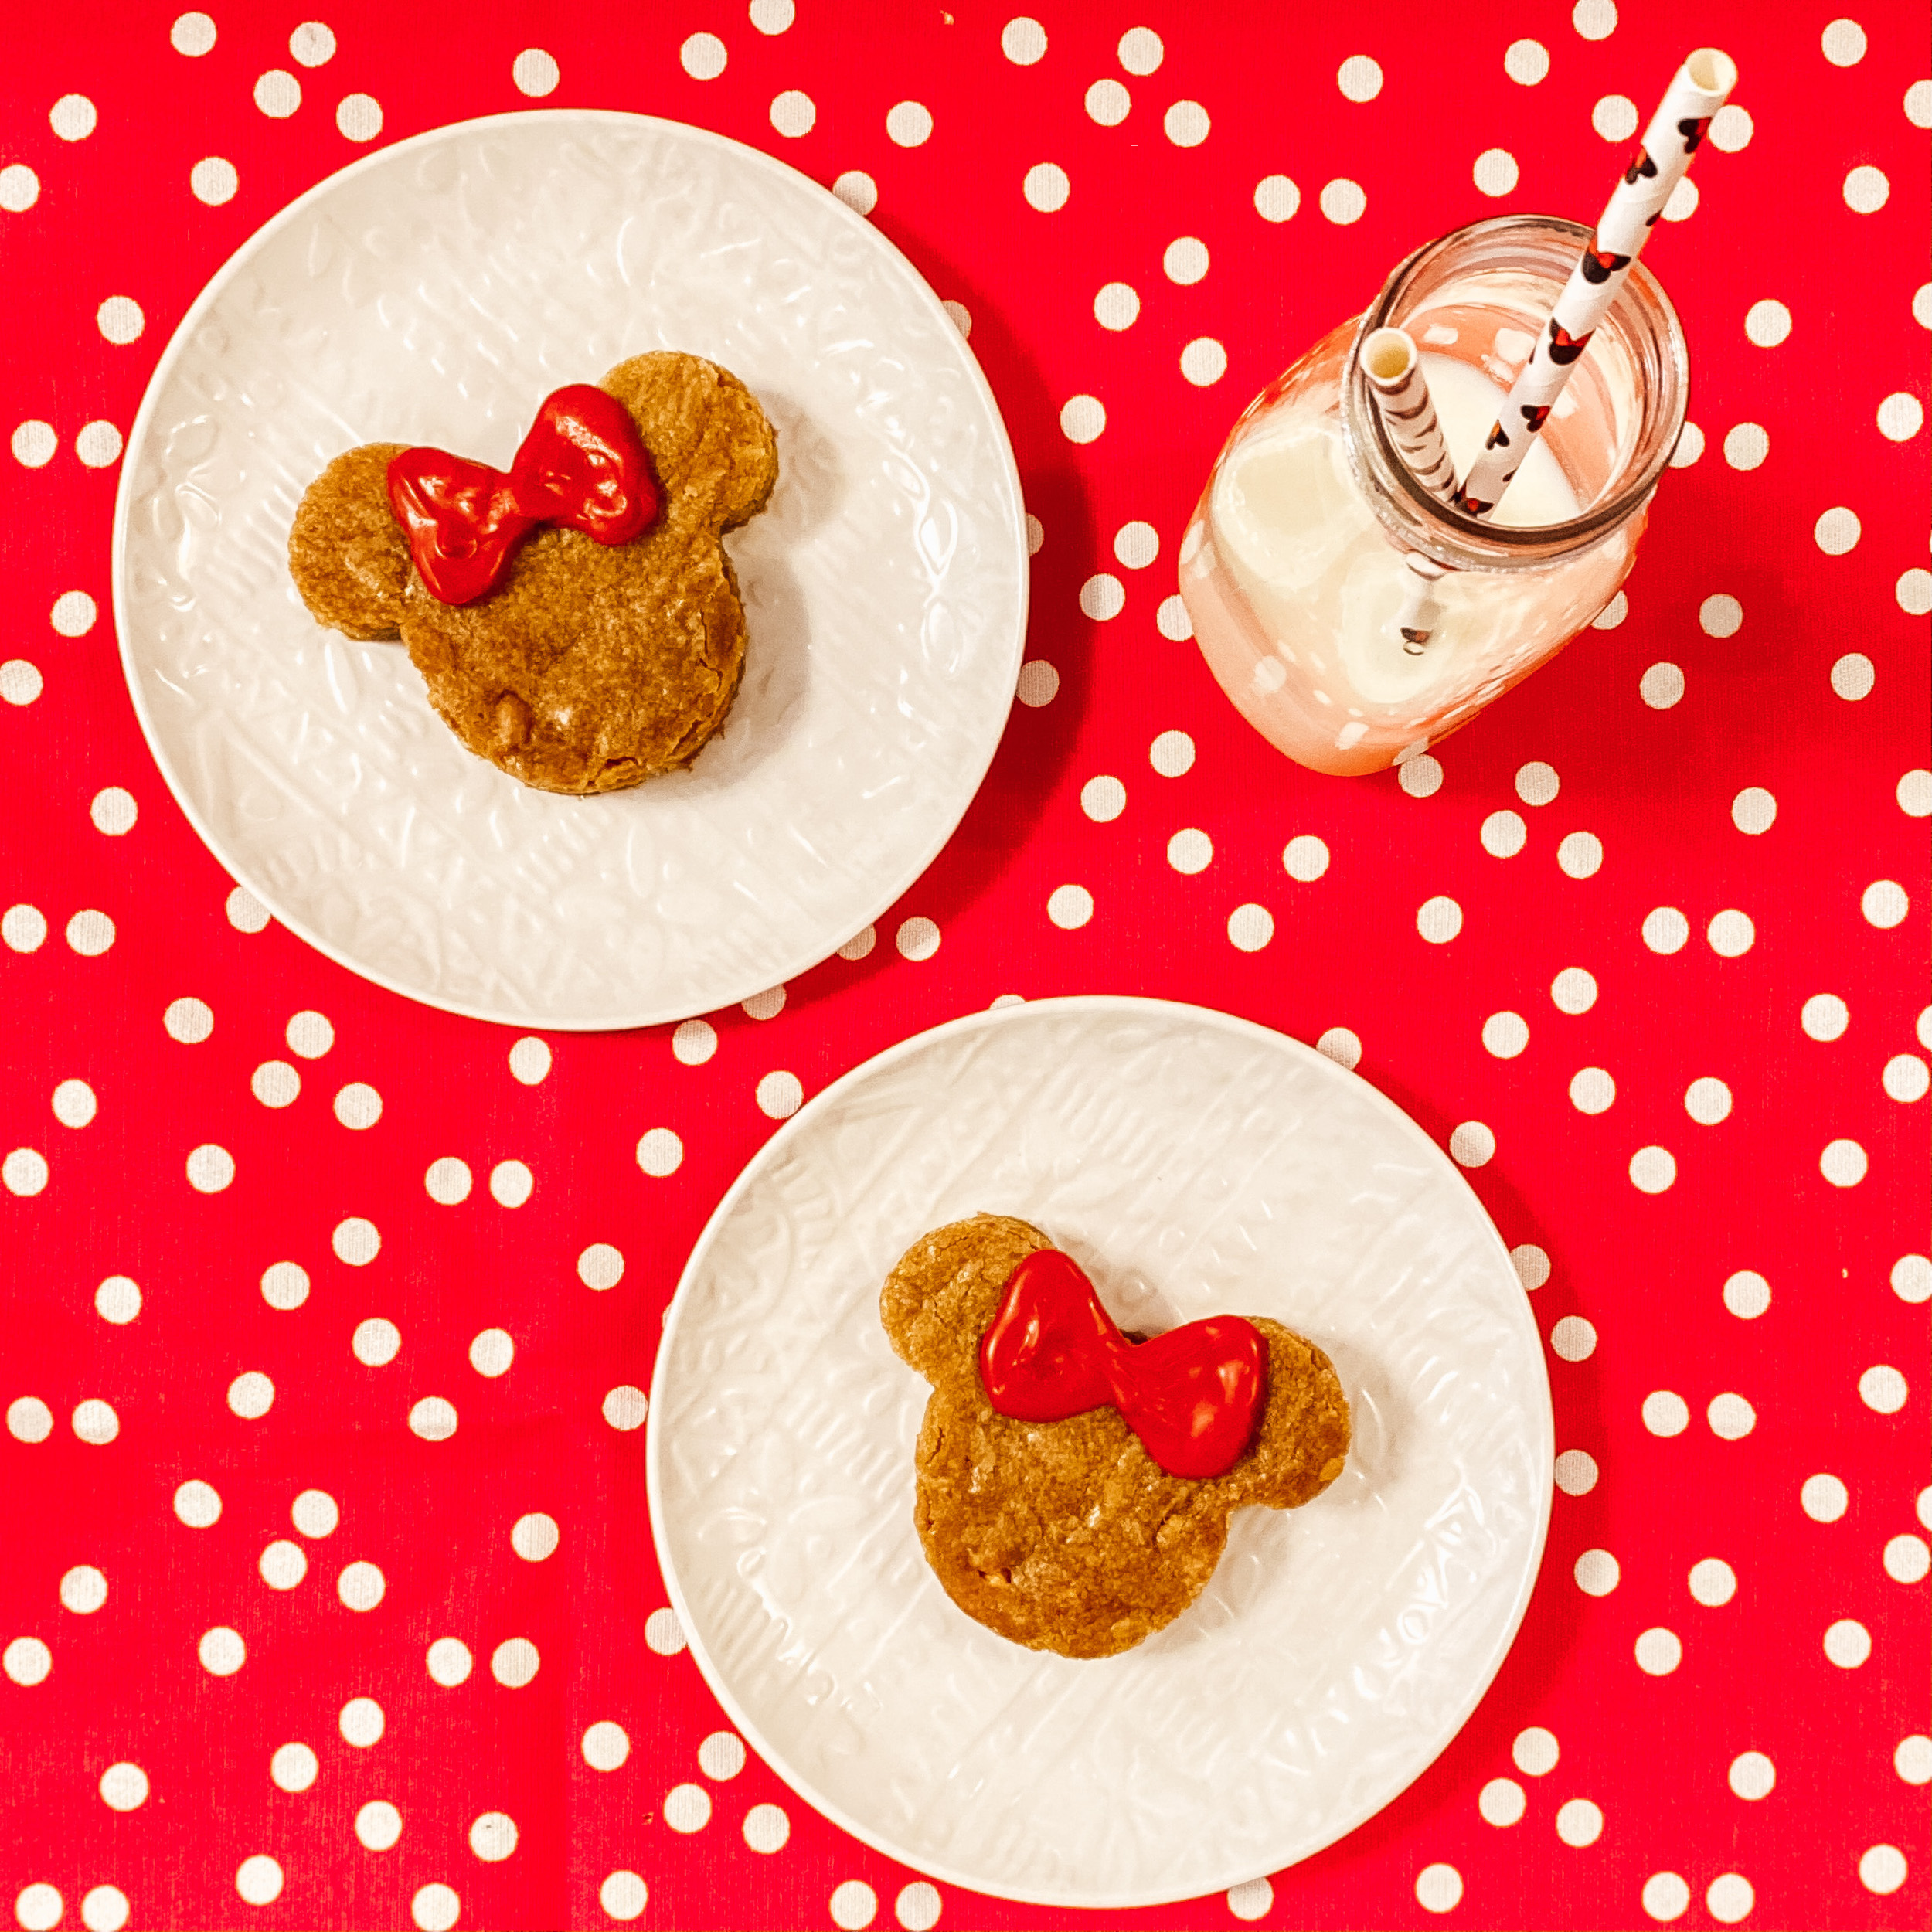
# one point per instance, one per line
(583, 464)
(1192, 1396)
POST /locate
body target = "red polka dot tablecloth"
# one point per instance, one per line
(328, 1597)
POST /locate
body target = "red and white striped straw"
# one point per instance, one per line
(1701, 86)
(1390, 362)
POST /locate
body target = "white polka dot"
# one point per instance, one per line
(1116, 306)
(1532, 1264)
(1885, 903)
(857, 190)
(1439, 1888)
(1900, 417)
(909, 125)
(1707, 1101)
(1843, 1163)
(493, 1837)
(246, 912)
(1652, 1169)
(491, 1352)
(625, 1408)
(703, 56)
(275, 1084)
(1837, 531)
(1689, 448)
(1614, 117)
(27, 1660)
(511, 1183)
(1907, 1559)
(1918, 103)
(1682, 203)
(1731, 1417)
(1190, 851)
(766, 1828)
(1342, 1047)
(624, 1895)
(1537, 784)
(434, 1419)
(530, 1060)
(515, 1663)
(312, 44)
(105, 1909)
(1921, 302)
(1593, 1091)
(1172, 621)
(1665, 929)
(1185, 261)
(1753, 810)
(1506, 1034)
(780, 1095)
(83, 1589)
(72, 118)
(1597, 1573)
(1343, 201)
(74, 1104)
(358, 1106)
(1172, 754)
(1594, 19)
(1186, 124)
(259, 1879)
(449, 1662)
(278, 93)
(1504, 834)
(1713, 1583)
(1035, 535)
(1082, 419)
(213, 180)
(25, 1171)
(660, 1152)
(535, 72)
(1767, 323)
(293, 1768)
(1905, 1078)
(917, 939)
(1204, 362)
(34, 444)
(1250, 927)
(1913, 1760)
(664, 1633)
(534, 1537)
(314, 1513)
(722, 1755)
(1581, 855)
(1747, 1294)
(1665, 1412)
(251, 1395)
(1574, 1338)
(853, 1904)
(1472, 1144)
(375, 1341)
(1107, 103)
(687, 1808)
(1580, 1822)
(696, 1040)
(361, 1722)
(1883, 1389)
(606, 1746)
(436, 1908)
(310, 1035)
(1046, 187)
(1277, 197)
(1359, 78)
(448, 1180)
(19, 188)
(1023, 41)
(283, 1564)
(73, 614)
(1882, 1868)
(1419, 777)
(1502, 1802)
(1912, 1277)
(793, 114)
(1847, 1643)
(1844, 43)
(1439, 920)
(189, 1021)
(20, 682)
(1102, 597)
(1495, 171)
(1824, 1497)
(198, 1504)
(1526, 62)
(221, 1651)
(193, 34)
(1305, 858)
(1576, 1472)
(1659, 1652)
(1661, 686)
(1731, 934)
(1745, 446)
(379, 1825)
(285, 1285)
(1867, 190)
(29, 1418)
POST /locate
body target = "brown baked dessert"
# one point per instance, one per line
(1068, 1535)
(588, 664)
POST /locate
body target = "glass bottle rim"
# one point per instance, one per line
(1426, 523)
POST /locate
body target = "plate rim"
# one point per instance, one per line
(124, 493)
(1542, 1427)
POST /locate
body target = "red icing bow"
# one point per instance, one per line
(583, 464)
(1192, 1396)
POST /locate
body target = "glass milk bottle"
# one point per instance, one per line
(1294, 568)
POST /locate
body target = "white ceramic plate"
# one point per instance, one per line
(1193, 1163)
(434, 292)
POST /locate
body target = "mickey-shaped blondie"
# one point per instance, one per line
(577, 619)
(1068, 1535)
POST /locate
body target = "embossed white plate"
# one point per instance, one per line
(434, 292)
(1193, 1163)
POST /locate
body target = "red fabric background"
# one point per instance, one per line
(114, 215)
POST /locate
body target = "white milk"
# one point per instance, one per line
(1289, 528)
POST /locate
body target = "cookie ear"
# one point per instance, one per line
(943, 1291)
(714, 451)
(346, 551)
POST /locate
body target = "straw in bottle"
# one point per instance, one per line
(1700, 88)
(1390, 362)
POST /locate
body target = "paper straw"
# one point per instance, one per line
(1394, 369)
(1416, 621)
(1702, 85)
